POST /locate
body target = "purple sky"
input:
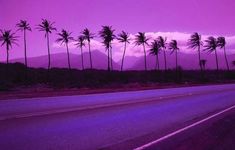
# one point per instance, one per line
(208, 17)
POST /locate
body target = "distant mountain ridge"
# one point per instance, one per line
(59, 60)
(186, 61)
(99, 59)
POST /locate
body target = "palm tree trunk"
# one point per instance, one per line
(48, 49)
(89, 45)
(7, 54)
(165, 58)
(217, 65)
(225, 55)
(145, 61)
(7, 68)
(25, 52)
(111, 58)
(82, 59)
(123, 56)
(158, 66)
(108, 61)
(199, 57)
(176, 60)
(68, 56)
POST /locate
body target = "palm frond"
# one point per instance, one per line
(173, 46)
(141, 38)
(80, 41)
(221, 42)
(155, 48)
(210, 44)
(123, 37)
(194, 41)
(64, 37)
(8, 38)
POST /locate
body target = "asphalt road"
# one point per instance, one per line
(124, 120)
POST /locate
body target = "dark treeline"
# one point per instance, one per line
(92, 78)
(107, 34)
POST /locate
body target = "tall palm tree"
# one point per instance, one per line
(23, 25)
(123, 38)
(107, 35)
(221, 42)
(155, 50)
(210, 46)
(8, 38)
(173, 46)
(47, 27)
(88, 36)
(195, 42)
(64, 38)
(141, 39)
(81, 43)
(162, 43)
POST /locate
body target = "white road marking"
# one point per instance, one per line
(183, 129)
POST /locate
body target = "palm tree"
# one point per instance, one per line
(174, 47)
(141, 39)
(88, 36)
(155, 50)
(210, 46)
(162, 43)
(8, 38)
(195, 42)
(221, 42)
(47, 27)
(64, 38)
(81, 43)
(23, 25)
(107, 35)
(123, 38)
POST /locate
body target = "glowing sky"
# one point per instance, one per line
(179, 17)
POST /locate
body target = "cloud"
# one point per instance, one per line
(133, 50)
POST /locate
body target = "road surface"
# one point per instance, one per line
(122, 120)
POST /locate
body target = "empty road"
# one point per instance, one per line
(122, 120)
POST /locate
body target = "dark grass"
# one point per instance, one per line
(18, 75)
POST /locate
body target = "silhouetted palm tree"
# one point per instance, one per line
(174, 47)
(141, 39)
(81, 43)
(123, 38)
(88, 36)
(64, 38)
(47, 27)
(210, 46)
(155, 50)
(23, 25)
(107, 35)
(162, 43)
(8, 38)
(221, 42)
(195, 42)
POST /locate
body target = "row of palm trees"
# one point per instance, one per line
(107, 35)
